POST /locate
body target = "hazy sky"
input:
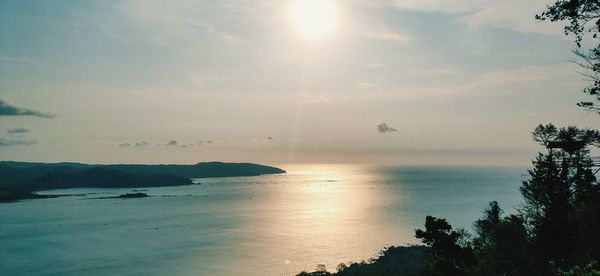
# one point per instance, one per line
(397, 82)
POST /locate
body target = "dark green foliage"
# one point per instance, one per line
(320, 271)
(561, 198)
(393, 261)
(501, 244)
(548, 207)
(448, 256)
(407, 261)
(582, 17)
(591, 269)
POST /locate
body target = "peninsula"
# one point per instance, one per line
(20, 180)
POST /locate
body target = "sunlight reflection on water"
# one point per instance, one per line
(268, 225)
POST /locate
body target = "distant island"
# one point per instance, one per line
(21, 180)
(124, 196)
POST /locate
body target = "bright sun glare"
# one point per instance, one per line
(314, 19)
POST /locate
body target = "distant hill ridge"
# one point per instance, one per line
(20, 179)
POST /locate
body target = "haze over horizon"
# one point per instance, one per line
(389, 82)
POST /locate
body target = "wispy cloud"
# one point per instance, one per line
(181, 24)
(142, 144)
(17, 59)
(388, 36)
(443, 6)
(507, 81)
(385, 128)
(18, 130)
(8, 142)
(516, 15)
(374, 65)
(202, 142)
(172, 143)
(133, 144)
(7, 109)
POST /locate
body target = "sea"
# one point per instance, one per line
(266, 225)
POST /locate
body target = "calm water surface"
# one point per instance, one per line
(267, 225)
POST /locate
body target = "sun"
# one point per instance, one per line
(314, 19)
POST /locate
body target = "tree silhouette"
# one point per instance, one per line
(501, 244)
(583, 17)
(448, 256)
(561, 195)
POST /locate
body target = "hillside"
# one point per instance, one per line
(22, 179)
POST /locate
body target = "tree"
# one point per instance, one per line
(561, 195)
(588, 270)
(583, 17)
(448, 256)
(501, 244)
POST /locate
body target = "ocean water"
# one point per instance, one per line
(266, 225)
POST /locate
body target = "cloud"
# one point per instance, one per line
(182, 24)
(374, 65)
(202, 142)
(142, 144)
(7, 142)
(443, 6)
(21, 59)
(517, 15)
(18, 130)
(514, 80)
(366, 85)
(389, 36)
(384, 128)
(7, 109)
(172, 143)
(136, 144)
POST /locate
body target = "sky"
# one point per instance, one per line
(415, 82)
